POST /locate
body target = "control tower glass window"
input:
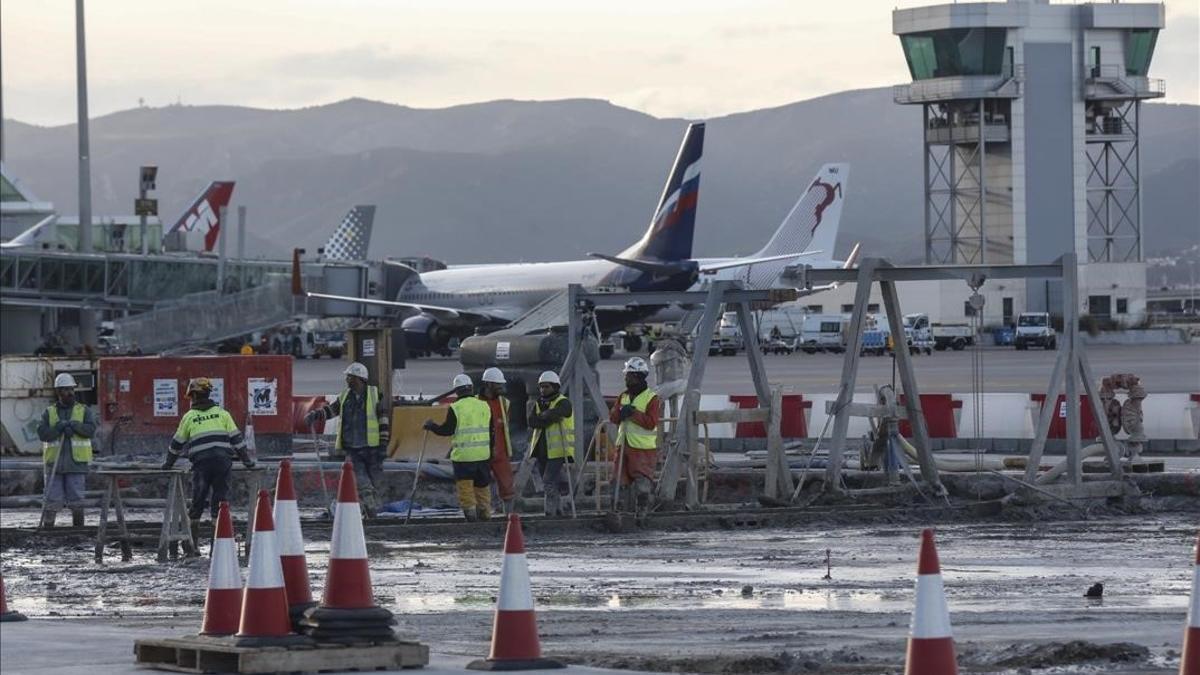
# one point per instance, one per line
(1138, 51)
(954, 52)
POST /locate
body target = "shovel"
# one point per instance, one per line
(321, 471)
(417, 478)
(46, 487)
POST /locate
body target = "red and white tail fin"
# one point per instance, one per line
(203, 217)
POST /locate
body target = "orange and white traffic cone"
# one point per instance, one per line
(291, 543)
(1189, 662)
(5, 613)
(223, 601)
(348, 612)
(265, 618)
(515, 644)
(930, 643)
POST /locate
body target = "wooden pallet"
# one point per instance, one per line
(221, 655)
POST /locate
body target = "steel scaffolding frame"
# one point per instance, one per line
(1114, 196)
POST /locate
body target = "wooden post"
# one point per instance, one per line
(908, 380)
(841, 420)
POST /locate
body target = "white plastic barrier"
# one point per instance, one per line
(1004, 416)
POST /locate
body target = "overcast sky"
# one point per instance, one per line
(666, 57)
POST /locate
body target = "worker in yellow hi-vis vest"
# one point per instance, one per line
(637, 412)
(66, 430)
(469, 423)
(554, 422)
(362, 432)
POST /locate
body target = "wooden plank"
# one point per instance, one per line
(204, 655)
(732, 416)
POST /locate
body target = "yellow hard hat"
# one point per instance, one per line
(201, 385)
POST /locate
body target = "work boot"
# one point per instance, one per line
(77, 517)
(194, 529)
(466, 498)
(642, 499)
(553, 503)
(48, 518)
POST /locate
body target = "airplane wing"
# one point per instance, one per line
(32, 236)
(435, 310)
(745, 262)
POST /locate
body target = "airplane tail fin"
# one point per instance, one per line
(203, 217)
(673, 226)
(812, 224)
(40, 232)
(350, 241)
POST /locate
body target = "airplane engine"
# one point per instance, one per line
(423, 333)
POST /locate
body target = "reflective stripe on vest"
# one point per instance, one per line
(472, 440)
(207, 431)
(81, 446)
(372, 417)
(632, 433)
(560, 436)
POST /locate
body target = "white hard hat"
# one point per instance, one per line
(357, 369)
(493, 375)
(549, 376)
(64, 380)
(636, 365)
(461, 380)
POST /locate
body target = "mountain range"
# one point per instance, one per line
(520, 180)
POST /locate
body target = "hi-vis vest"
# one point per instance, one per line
(372, 417)
(631, 433)
(206, 433)
(81, 446)
(472, 440)
(560, 436)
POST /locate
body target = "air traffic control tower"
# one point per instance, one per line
(1031, 119)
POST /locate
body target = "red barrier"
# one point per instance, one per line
(301, 406)
(793, 425)
(1088, 428)
(939, 416)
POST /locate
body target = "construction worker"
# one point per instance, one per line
(636, 412)
(208, 437)
(362, 432)
(554, 423)
(66, 430)
(492, 393)
(469, 422)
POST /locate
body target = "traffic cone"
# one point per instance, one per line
(265, 618)
(1189, 662)
(291, 544)
(348, 613)
(515, 643)
(930, 644)
(223, 601)
(5, 613)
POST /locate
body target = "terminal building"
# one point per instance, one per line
(1031, 122)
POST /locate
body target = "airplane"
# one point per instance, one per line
(352, 237)
(203, 217)
(454, 302)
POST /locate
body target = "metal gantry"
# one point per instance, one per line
(1114, 198)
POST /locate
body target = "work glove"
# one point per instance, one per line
(168, 462)
(429, 425)
(313, 416)
(383, 439)
(63, 426)
(627, 411)
(570, 459)
(248, 463)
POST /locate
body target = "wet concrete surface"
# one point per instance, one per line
(737, 601)
(1163, 368)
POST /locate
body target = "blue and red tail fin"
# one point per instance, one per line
(203, 218)
(669, 237)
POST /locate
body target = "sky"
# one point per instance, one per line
(698, 59)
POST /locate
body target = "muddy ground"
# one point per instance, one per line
(726, 602)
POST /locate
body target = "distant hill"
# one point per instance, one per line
(512, 180)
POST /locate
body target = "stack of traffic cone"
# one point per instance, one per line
(515, 643)
(348, 613)
(223, 601)
(930, 644)
(264, 603)
(1189, 663)
(5, 613)
(291, 544)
